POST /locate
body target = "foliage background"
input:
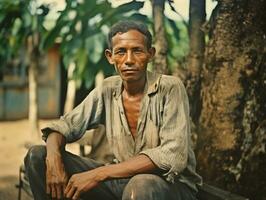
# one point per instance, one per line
(234, 47)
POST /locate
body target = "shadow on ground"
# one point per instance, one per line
(8, 191)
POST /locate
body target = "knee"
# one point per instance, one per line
(144, 186)
(35, 156)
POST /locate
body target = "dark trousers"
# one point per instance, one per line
(139, 187)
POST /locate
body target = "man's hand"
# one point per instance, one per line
(56, 177)
(82, 182)
(85, 181)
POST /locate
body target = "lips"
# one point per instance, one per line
(129, 70)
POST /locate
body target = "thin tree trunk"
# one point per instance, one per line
(231, 144)
(197, 17)
(71, 89)
(34, 54)
(33, 86)
(160, 43)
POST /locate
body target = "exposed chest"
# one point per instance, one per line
(132, 108)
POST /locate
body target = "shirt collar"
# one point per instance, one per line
(153, 81)
(151, 85)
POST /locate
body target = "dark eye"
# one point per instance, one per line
(120, 52)
(138, 50)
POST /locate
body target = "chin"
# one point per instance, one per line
(131, 79)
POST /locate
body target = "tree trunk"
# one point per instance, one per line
(33, 54)
(71, 89)
(231, 146)
(197, 17)
(160, 43)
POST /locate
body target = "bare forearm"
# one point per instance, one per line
(55, 143)
(56, 177)
(136, 165)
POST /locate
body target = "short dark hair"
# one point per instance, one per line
(126, 25)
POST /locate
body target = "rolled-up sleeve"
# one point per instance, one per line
(86, 115)
(172, 153)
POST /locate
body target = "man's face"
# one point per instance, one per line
(130, 55)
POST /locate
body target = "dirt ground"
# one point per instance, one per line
(14, 137)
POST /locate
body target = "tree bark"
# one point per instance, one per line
(160, 43)
(33, 86)
(71, 90)
(197, 17)
(231, 145)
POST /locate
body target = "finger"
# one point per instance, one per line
(64, 185)
(68, 187)
(48, 190)
(59, 191)
(62, 191)
(76, 195)
(53, 191)
(70, 193)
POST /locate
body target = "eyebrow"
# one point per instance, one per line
(133, 47)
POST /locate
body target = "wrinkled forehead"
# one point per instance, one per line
(129, 38)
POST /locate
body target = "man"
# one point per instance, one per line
(146, 116)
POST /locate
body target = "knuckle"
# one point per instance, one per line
(53, 183)
(76, 195)
(49, 182)
(60, 182)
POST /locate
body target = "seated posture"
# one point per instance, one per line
(146, 116)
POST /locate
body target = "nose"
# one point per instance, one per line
(129, 58)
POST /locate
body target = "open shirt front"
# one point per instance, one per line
(163, 130)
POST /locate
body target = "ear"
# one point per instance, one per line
(152, 52)
(108, 55)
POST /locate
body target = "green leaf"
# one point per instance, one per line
(127, 7)
(54, 33)
(120, 10)
(81, 59)
(90, 74)
(174, 28)
(95, 47)
(140, 17)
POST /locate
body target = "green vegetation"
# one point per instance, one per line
(178, 43)
(80, 29)
(19, 20)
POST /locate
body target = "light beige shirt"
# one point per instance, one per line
(163, 130)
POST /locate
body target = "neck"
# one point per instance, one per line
(134, 88)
